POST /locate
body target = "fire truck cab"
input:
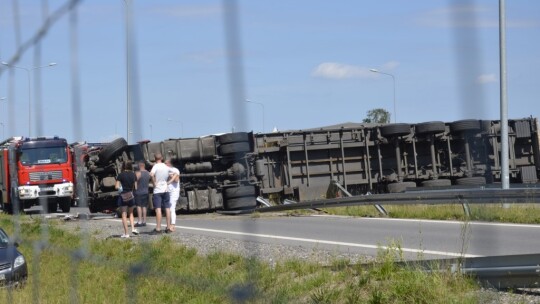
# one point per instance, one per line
(36, 171)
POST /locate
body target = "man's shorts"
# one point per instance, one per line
(141, 200)
(121, 203)
(161, 200)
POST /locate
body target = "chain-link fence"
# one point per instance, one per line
(77, 257)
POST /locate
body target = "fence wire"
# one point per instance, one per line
(140, 269)
(472, 103)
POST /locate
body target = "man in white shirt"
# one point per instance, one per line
(160, 175)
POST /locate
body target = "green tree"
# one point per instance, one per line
(378, 115)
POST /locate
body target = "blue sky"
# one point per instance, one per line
(307, 61)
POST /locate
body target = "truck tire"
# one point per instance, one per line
(8, 208)
(400, 187)
(247, 202)
(430, 127)
(465, 125)
(93, 208)
(240, 191)
(233, 148)
(50, 207)
(111, 150)
(233, 137)
(65, 204)
(475, 180)
(397, 129)
(485, 125)
(437, 183)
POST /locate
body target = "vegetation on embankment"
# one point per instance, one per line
(514, 213)
(161, 271)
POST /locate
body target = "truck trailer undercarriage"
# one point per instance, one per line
(229, 171)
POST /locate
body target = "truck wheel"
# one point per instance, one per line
(51, 207)
(437, 183)
(247, 202)
(430, 127)
(92, 208)
(465, 125)
(8, 208)
(234, 137)
(240, 191)
(65, 204)
(485, 125)
(11, 208)
(240, 147)
(476, 180)
(111, 150)
(400, 187)
(397, 129)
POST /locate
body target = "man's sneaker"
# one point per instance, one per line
(124, 236)
(135, 231)
(138, 224)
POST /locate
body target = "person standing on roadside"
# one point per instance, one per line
(141, 194)
(174, 191)
(161, 199)
(127, 181)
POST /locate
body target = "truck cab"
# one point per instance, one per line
(44, 172)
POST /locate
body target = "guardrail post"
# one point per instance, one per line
(466, 208)
(379, 208)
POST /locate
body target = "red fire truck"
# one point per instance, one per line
(36, 171)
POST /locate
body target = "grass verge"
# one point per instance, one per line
(516, 213)
(122, 271)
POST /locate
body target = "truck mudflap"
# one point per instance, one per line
(28, 192)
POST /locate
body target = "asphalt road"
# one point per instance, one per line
(417, 238)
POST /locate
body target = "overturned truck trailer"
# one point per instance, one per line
(229, 171)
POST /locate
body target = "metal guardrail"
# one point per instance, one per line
(454, 196)
(500, 272)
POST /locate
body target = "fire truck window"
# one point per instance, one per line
(41, 156)
(23, 157)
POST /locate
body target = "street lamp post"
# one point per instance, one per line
(128, 80)
(2, 100)
(394, 83)
(150, 131)
(181, 125)
(262, 105)
(28, 70)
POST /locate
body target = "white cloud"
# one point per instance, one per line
(487, 78)
(337, 70)
(190, 11)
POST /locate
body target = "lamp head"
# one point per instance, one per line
(52, 64)
(374, 70)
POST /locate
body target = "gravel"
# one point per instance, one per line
(271, 253)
